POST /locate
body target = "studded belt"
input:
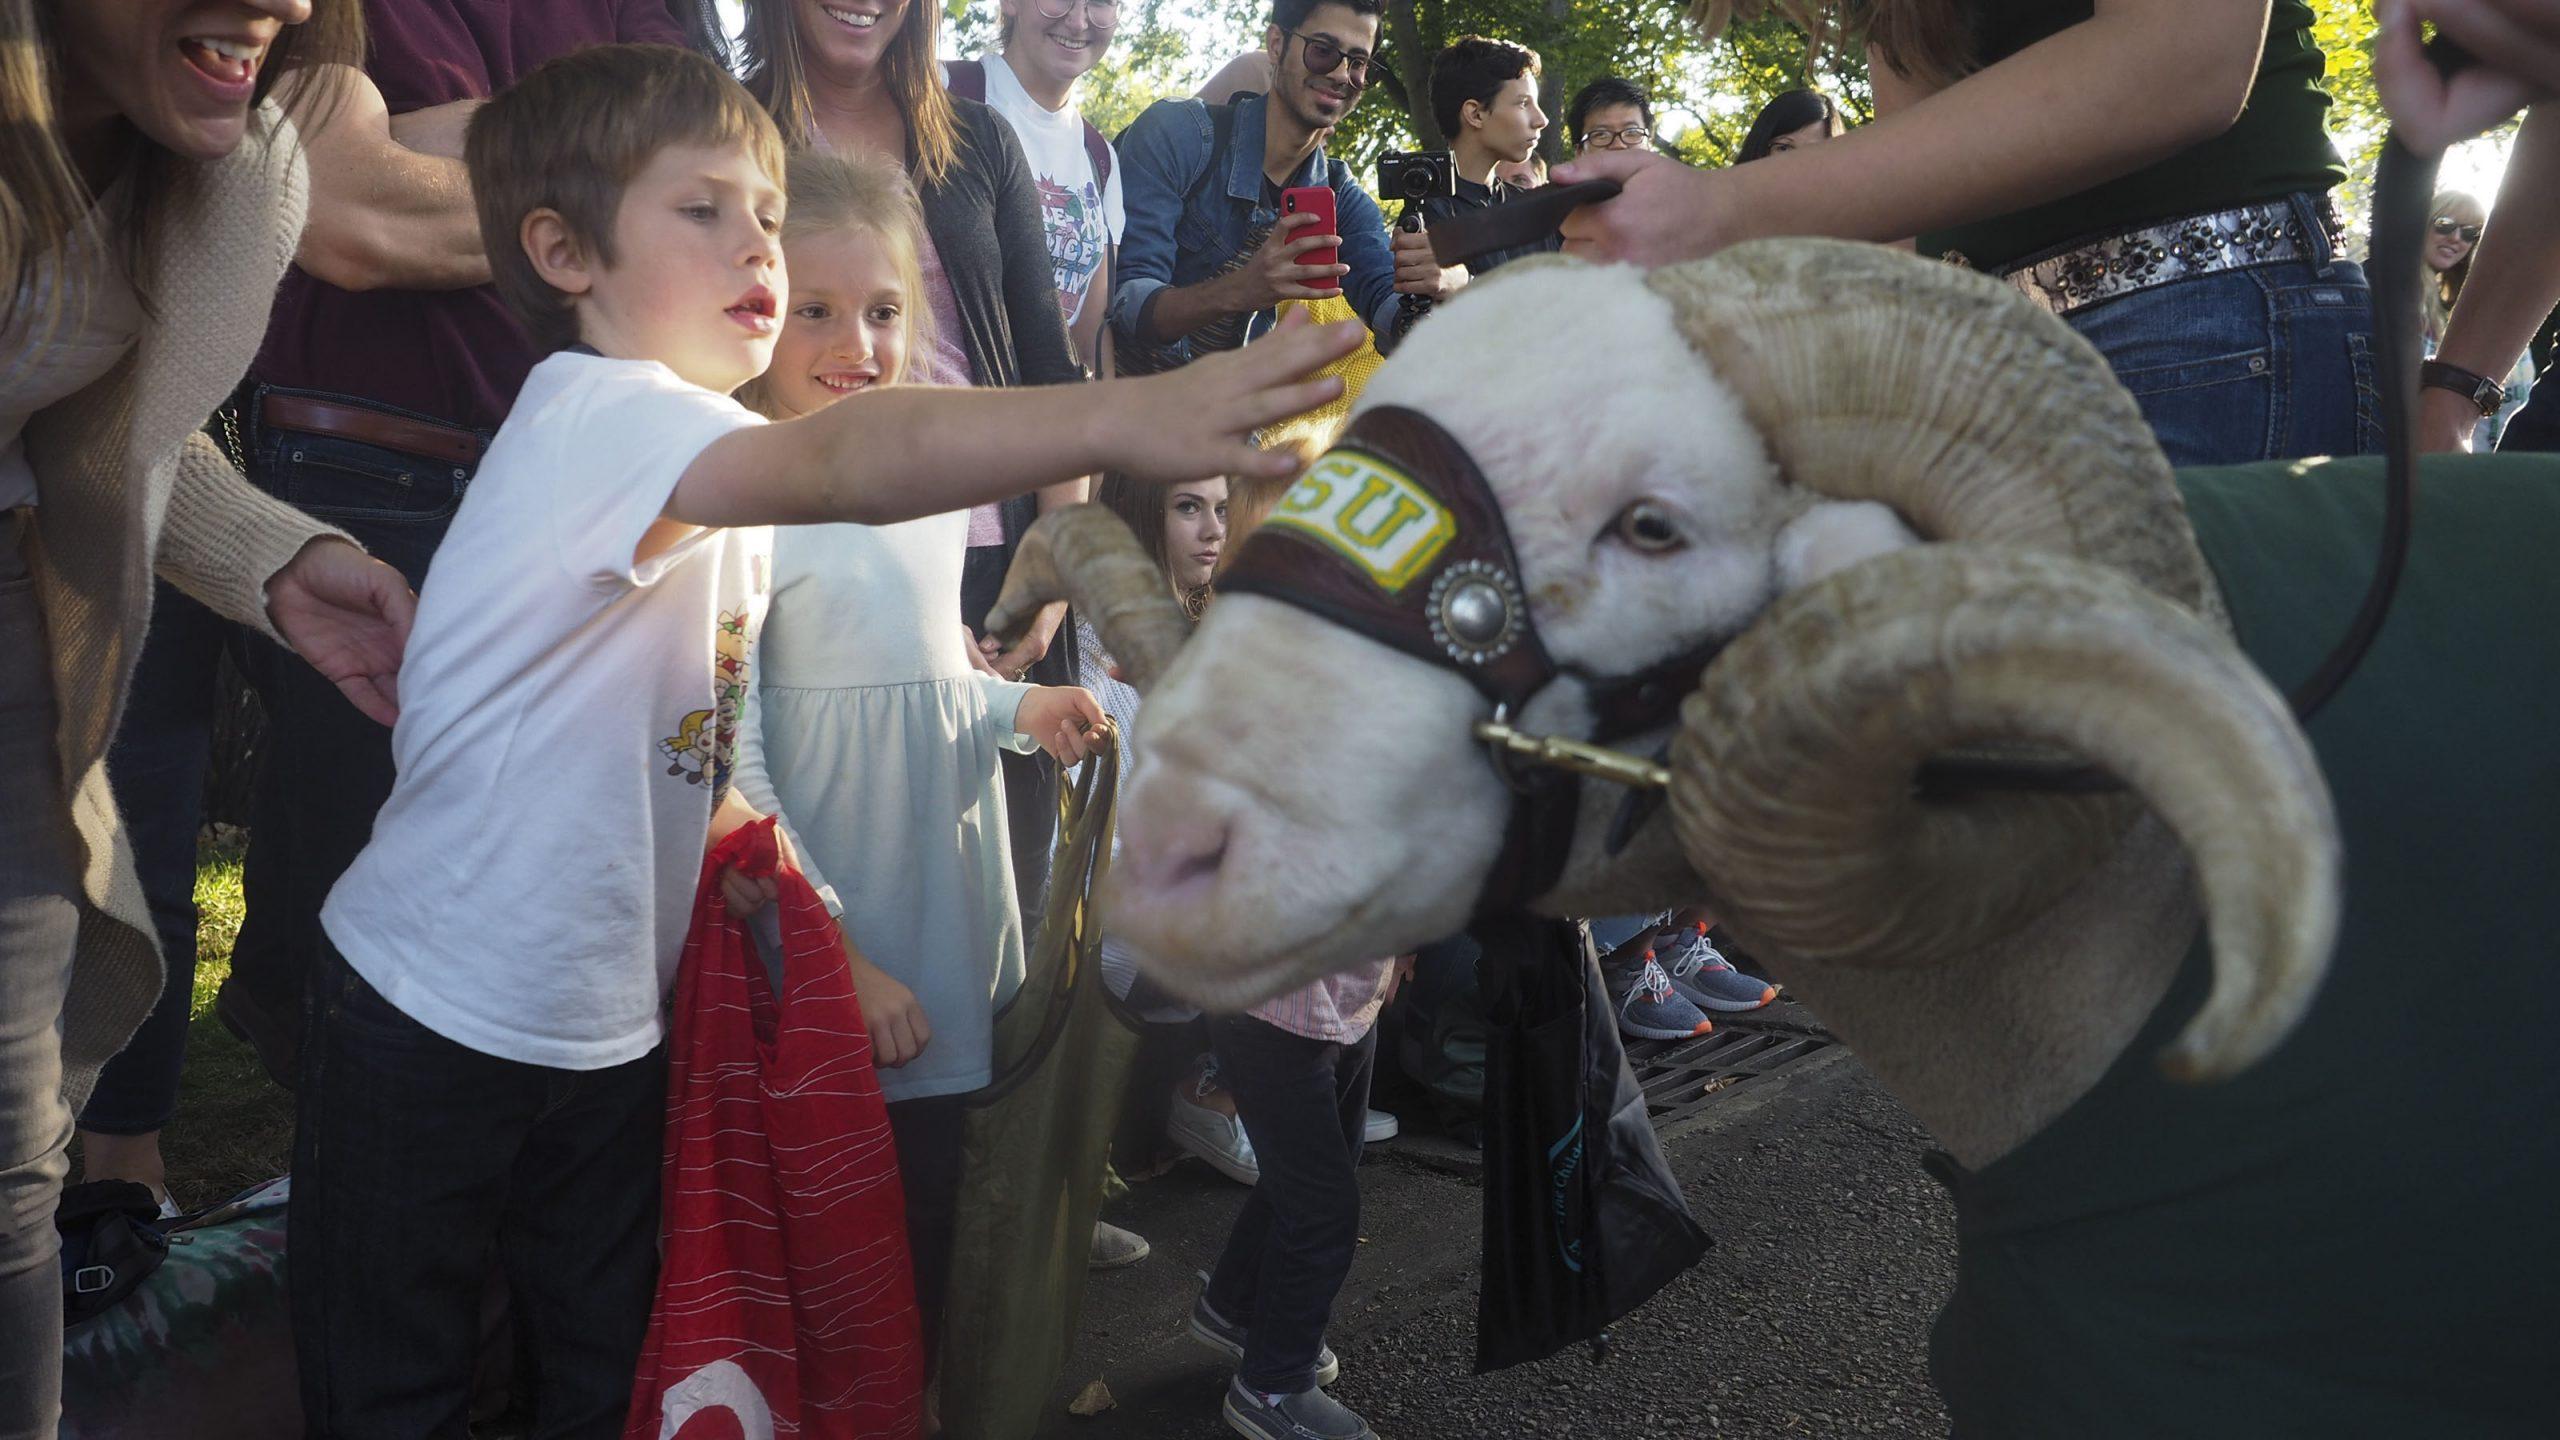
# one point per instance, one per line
(2269, 232)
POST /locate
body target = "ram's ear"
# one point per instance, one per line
(1835, 535)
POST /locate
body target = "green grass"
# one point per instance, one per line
(233, 1127)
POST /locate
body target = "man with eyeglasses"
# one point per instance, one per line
(1609, 114)
(1207, 256)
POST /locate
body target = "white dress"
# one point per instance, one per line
(869, 732)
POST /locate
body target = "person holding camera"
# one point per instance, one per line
(1485, 95)
(1208, 254)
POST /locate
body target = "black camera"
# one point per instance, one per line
(1416, 176)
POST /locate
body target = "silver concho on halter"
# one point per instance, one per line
(1476, 612)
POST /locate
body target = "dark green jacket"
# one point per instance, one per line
(2360, 1236)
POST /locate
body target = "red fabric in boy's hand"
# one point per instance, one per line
(785, 1302)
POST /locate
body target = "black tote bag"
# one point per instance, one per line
(1583, 1220)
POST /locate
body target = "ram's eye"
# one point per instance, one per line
(1649, 527)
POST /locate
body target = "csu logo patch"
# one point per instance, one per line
(1370, 513)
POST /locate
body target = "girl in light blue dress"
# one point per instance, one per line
(873, 726)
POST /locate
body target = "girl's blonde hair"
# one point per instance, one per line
(42, 197)
(832, 192)
(777, 74)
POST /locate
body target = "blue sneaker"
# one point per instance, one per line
(1699, 971)
(1227, 1337)
(1652, 1010)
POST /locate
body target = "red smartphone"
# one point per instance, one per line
(1316, 200)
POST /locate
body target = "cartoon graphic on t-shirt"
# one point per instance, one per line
(705, 744)
(1073, 222)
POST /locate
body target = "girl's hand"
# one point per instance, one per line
(1066, 720)
(746, 894)
(1666, 213)
(1200, 420)
(899, 1031)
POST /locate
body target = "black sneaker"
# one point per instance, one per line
(1227, 1338)
(1307, 1415)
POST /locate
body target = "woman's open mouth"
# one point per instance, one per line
(852, 19)
(229, 66)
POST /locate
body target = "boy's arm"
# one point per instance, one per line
(1150, 176)
(911, 451)
(1371, 285)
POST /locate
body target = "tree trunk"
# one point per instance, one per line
(1551, 95)
(1406, 31)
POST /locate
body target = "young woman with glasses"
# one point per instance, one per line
(2156, 172)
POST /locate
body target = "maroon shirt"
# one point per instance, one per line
(454, 354)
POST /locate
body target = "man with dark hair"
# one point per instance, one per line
(1609, 114)
(1207, 257)
(1484, 93)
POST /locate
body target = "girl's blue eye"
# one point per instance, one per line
(811, 311)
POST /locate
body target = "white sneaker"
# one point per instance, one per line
(1218, 1139)
(1381, 1126)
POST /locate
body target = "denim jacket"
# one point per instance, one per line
(1171, 242)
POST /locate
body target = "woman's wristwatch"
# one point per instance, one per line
(2480, 390)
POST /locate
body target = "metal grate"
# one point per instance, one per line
(1680, 1077)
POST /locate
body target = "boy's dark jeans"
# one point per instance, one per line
(1305, 1106)
(416, 1160)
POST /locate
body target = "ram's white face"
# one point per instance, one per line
(1310, 798)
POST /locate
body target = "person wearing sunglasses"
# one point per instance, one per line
(1207, 256)
(2155, 172)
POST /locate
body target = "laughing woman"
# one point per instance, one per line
(154, 197)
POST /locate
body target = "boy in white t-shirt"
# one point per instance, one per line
(1046, 47)
(486, 1072)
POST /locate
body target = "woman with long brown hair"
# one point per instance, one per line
(2156, 172)
(151, 194)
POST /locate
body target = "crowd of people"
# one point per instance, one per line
(592, 432)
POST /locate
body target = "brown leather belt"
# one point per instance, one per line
(426, 438)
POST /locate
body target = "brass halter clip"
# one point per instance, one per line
(1557, 753)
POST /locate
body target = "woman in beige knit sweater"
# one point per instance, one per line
(154, 197)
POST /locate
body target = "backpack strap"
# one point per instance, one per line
(1098, 150)
(966, 79)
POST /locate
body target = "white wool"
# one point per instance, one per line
(1834, 535)
(1607, 406)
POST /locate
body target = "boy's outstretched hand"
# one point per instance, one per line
(1067, 721)
(1199, 420)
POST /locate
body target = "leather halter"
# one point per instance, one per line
(1394, 535)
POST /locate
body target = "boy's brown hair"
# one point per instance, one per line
(571, 135)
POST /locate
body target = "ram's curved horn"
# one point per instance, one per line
(1792, 775)
(1941, 393)
(1086, 556)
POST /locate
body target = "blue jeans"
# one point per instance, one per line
(415, 1162)
(1305, 1106)
(310, 815)
(2274, 362)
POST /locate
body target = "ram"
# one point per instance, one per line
(2241, 1069)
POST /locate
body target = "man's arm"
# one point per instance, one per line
(2514, 281)
(384, 216)
(1370, 279)
(1153, 178)
(2137, 82)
